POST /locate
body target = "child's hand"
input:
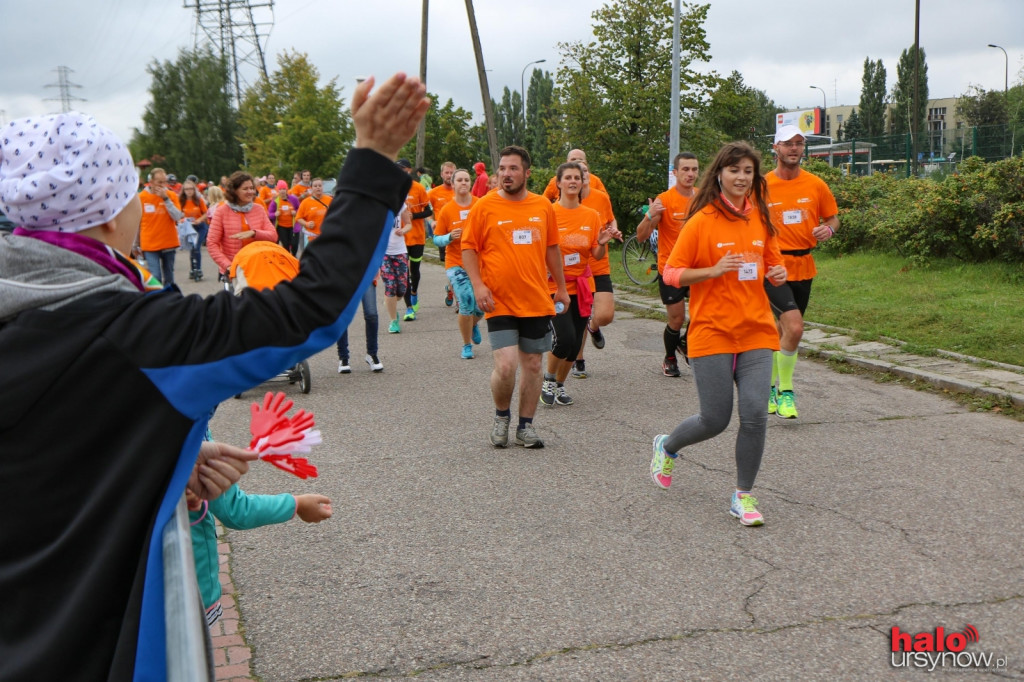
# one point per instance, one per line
(312, 508)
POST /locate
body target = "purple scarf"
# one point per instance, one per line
(87, 247)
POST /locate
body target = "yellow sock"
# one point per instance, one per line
(775, 368)
(786, 361)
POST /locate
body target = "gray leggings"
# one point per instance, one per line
(715, 374)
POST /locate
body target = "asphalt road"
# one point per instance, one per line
(449, 559)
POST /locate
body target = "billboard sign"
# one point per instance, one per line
(809, 121)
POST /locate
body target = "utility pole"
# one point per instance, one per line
(492, 136)
(64, 88)
(238, 30)
(917, 83)
(421, 131)
(673, 134)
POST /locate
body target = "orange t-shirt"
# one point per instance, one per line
(551, 191)
(417, 202)
(439, 196)
(298, 190)
(728, 314)
(798, 206)
(196, 212)
(313, 210)
(578, 230)
(284, 213)
(266, 194)
(158, 231)
(676, 206)
(600, 202)
(511, 239)
(452, 217)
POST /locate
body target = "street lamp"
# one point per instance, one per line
(1006, 70)
(522, 86)
(824, 106)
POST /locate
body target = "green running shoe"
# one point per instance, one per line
(787, 405)
(773, 401)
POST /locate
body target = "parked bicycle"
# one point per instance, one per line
(640, 259)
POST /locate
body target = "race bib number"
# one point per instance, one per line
(794, 217)
(572, 259)
(149, 208)
(748, 272)
(463, 214)
(522, 236)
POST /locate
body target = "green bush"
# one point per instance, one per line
(975, 214)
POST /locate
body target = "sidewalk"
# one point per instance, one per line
(949, 371)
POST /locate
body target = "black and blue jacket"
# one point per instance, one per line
(105, 394)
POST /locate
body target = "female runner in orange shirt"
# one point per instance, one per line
(194, 208)
(724, 252)
(583, 239)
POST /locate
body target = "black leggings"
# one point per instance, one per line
(567, 331)
(287, 238)
(415, 256)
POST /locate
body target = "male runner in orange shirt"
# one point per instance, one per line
(668, 213)
(508, 248)
(313, 209)
(439, 196)
(301, 189)
(805, 213)
(158, 231)
(575, 156)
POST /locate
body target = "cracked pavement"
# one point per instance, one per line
(447, 559)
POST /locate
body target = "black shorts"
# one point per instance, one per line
(530, 334)
(603, 283)
(789, 296)
(671, 294)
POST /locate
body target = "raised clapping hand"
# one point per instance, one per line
(386, 119)
(730, 262)
(218, 468)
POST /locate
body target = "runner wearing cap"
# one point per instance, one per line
(804, 211)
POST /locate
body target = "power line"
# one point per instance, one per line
(65, 98)
(238, 30)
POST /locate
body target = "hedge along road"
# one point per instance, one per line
(450, 559)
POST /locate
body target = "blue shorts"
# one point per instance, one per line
(463, 290)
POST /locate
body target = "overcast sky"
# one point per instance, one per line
(782, 47)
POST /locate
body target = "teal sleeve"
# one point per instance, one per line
(239, 510)
(442, 239)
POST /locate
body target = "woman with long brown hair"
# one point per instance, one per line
(725, 251)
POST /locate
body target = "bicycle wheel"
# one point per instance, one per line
(640, 261)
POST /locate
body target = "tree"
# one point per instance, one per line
(980, 107)
(739, 111)
(872, 99)
(290, 123)
(613, 94)
(900, 116)
(853, 129)
(508, 119)
(190, 120)
(450, 137)
(539, 112)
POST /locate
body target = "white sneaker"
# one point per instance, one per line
(375, 364)
(343, 367)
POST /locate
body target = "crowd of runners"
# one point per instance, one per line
(735, 243)
(536, 267)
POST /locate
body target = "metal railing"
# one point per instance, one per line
(189, 650)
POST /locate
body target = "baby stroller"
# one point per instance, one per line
(261, 265)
